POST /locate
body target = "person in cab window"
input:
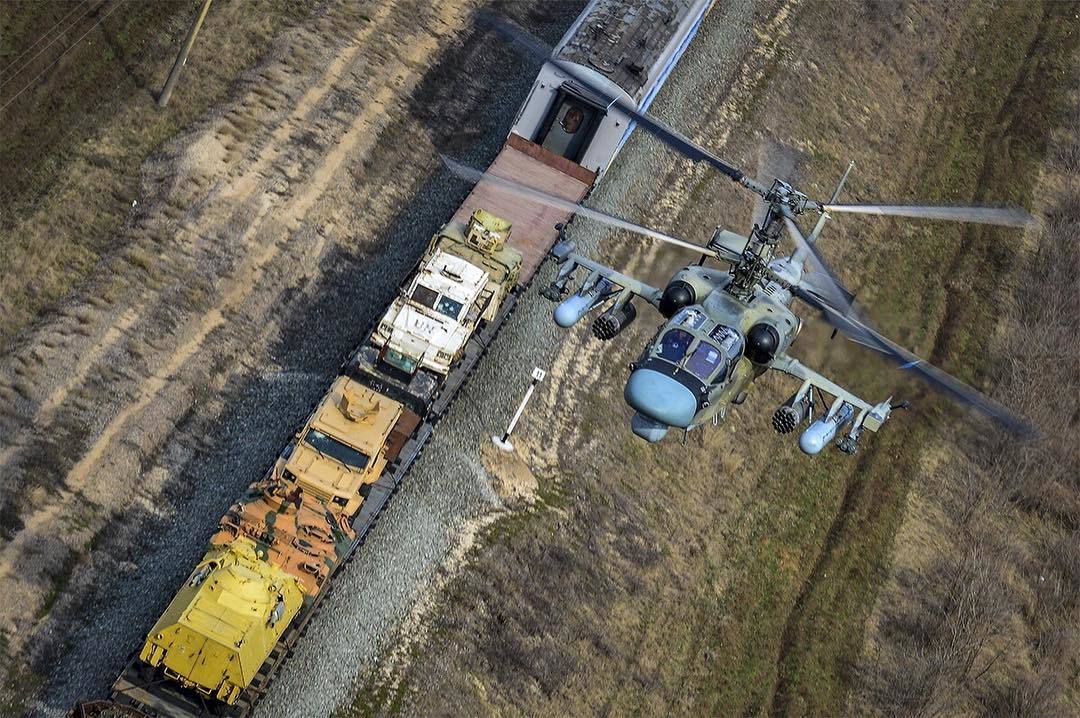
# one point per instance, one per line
(571, 121)
(674, 344)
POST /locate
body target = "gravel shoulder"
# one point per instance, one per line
(267, 238)
(728, 573)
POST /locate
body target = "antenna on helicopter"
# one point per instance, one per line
(751, 258)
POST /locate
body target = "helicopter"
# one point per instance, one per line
(727, 326)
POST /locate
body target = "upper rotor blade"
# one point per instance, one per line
(940, 379)
(531, 193)
(824, 286)
(1004, 216)
(531, 46)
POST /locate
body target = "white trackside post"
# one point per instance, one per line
(503, 443)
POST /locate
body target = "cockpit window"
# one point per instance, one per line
(690, 317)
(449, 307)
(704, 361)
(674, 344)
(728, 339)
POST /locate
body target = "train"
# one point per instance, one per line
(233, 622)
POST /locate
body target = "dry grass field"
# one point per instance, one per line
(154, 357)
(173, 315)
(79, 83)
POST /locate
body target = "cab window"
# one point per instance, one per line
(704, 360)
(674, 344)
(424, 296)
(449, 307)
(569, 127)
(329, 446)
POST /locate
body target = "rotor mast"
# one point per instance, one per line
(783, 203)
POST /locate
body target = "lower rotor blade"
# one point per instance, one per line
(1004, 216)
(939, 379)
(824, 277)
(510, 186)
(825, 287)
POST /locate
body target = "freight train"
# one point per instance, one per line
(232, 623)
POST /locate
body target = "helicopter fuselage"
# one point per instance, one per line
(704, 358)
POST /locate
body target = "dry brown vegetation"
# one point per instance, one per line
(226, 298)
(986, 620)
(79, 82)
(725, 574)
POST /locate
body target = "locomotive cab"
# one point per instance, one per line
(569, 126)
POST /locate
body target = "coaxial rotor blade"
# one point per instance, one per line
(510, 186)
(1004, 216)
(824, 278)
(824, 286)
(939, 379)
(538, 50)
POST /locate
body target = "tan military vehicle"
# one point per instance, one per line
(345, 445)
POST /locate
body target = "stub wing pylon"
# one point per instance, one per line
(847, 411)
(602, 285)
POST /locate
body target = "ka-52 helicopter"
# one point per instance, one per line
(727, 326)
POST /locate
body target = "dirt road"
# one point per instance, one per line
(267, 239)
(260, 247)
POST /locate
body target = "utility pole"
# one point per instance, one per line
(181, 59)
(503, 443)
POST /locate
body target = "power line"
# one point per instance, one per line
(29, 84)
(62, 33)
(43, 36)
(59, 137)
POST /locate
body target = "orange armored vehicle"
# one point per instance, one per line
(277, 547)
(292, 530)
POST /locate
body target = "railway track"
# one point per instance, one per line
(542, 150)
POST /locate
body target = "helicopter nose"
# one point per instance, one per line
(660, 398)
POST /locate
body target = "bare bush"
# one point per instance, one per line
(936, 634)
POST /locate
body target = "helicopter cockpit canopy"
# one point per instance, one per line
(671, 383)
(693, 342)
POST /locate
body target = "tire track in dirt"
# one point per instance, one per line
(391, 202)
(364, 127)
(863, 500)
(242, 189)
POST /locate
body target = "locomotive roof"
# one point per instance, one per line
(624, 40)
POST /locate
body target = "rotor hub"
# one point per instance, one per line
(782, 193)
